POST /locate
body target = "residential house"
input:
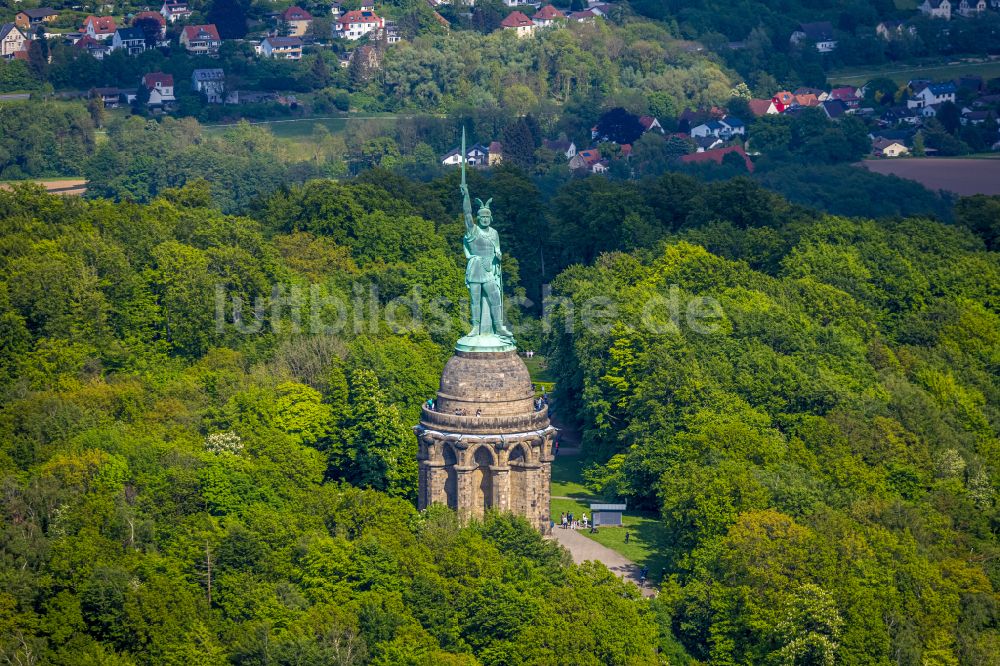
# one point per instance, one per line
(585, 16)
(929, 111)
(288, 48)
(548, 16)
(95, 48)
(762, 107)
(585, 159)
(29, 19)
(833, 108)
(820, 94)
(976, 117)
(969, 8)
(650, 124)
(936, 9)
(477, 155)
(900, 114)
(564, 146)
(174, 11)
(717, 155)
(336, 9)
(708, 143)
(152, 16)
(201, 39)
(889, 148)
(495, 153)
(934, 93)
(131, 40)
(601, 166)
(356, 24)
(209, 82)
(99, 27)
(160, 87)
(298, 21)
(724, 129)
(513, 3)
(820, 34)
(11, 40)
(846, 94)
(519, 23)
(806, 100)
(600, 8)
(389, 34)
(890, 30)
(112, 98)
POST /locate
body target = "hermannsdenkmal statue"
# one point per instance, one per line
(483, 277)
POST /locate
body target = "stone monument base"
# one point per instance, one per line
(486, 446)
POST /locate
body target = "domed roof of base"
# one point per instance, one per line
(486, 391)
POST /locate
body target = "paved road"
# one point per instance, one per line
(583, 549)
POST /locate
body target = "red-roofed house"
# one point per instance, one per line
(760, 107)
(848, 95)
(297, 20)
(717, 155)
(519, 23)
(160, 87)
(201, 39)
(586, 16)
(95, 48)
(585, 159)
(99, 27)
(547, 16)
(649, 124)
(358, 23)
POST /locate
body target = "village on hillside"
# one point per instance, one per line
(896, 117)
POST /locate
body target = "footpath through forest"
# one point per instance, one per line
(578, 545)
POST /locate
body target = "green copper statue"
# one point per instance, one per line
(482, 276)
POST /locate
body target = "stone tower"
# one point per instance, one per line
(485, 445)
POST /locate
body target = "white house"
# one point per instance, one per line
(11, 40)
(547, 16)
(935, 93)
(99, 27)
(209, 82)
(936, 9)
(356, 24)
(820, 34)
(132, 40)
(724, 129)
(160, 87)
(174, 11)
(287, 48)
(969, 8)
(477, 155)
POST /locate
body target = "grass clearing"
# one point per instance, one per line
(538, 368)
(901, 73)
(648, 543)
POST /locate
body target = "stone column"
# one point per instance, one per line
(464, 492)
(435, 476)
(501, 487)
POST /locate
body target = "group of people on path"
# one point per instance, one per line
(567, 521)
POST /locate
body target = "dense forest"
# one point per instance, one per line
(824, 457)
(179, 490)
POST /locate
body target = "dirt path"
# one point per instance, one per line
(76, 186)
(583, 549)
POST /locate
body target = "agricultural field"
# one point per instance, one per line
(964, 176)
(902, 73)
